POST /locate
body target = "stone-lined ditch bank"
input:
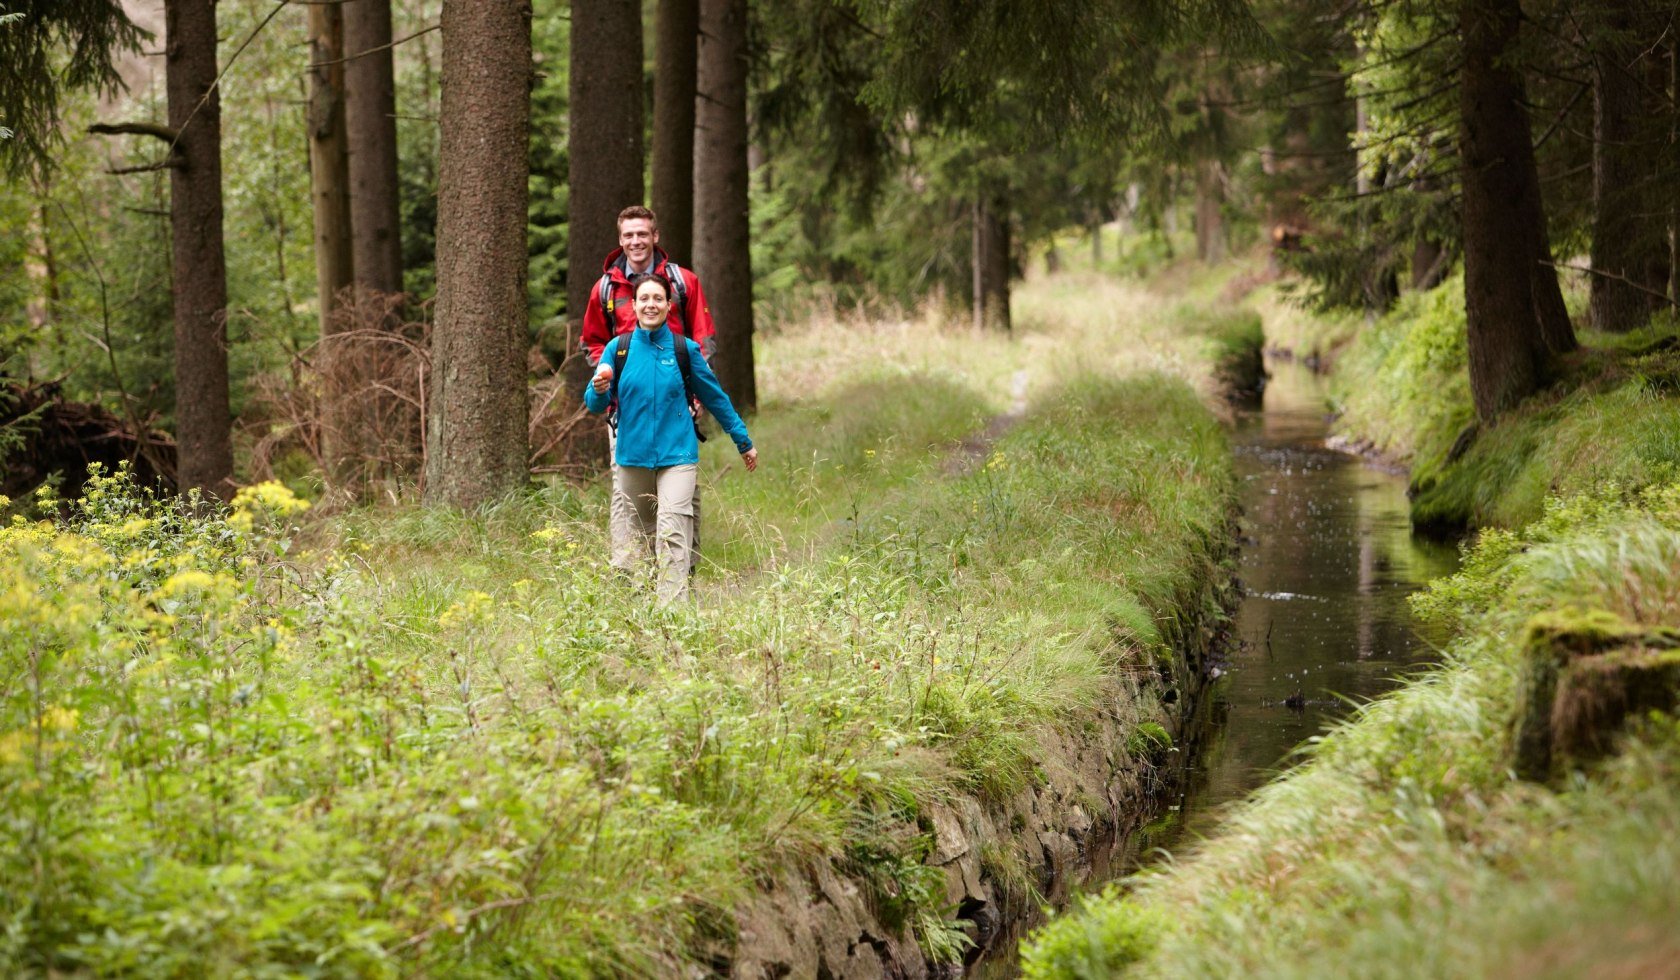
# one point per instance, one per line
(1102, 779)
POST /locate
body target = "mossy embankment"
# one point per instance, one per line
(1514, 812)
(919, 678)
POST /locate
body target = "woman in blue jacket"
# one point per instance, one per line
(658, 453)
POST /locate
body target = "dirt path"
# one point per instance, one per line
(972, 451)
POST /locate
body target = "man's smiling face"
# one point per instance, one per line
(637, 237)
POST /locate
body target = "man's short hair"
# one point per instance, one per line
(637, 211)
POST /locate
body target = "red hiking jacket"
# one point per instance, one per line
(692, 320)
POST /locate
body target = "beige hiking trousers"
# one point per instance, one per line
(653, 517)
(619, 533)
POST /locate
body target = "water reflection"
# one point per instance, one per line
(1327, 563)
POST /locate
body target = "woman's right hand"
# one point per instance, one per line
(603, 379)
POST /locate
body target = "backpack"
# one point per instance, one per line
(679, 293)
(685, 367)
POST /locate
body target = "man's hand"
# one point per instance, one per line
(750, 457)
(603, 379)
(694, 408)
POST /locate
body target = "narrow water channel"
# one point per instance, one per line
(1327, 562)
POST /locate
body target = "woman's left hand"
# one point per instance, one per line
(750, 457)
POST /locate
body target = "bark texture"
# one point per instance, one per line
(605, 159)
(991, 260)
(1500, 186)
(1614, 303)
(329, 184)
(675, 49)
(475, 440)
(1210, 218)
(370, 108)
(721, 231)
(203, 423)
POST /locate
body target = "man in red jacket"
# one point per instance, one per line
(611, 311)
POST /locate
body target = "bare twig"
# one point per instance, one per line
(1619, 278)
(382, 47)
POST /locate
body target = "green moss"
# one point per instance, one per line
(1149, 740)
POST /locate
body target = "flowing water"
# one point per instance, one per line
(1327, 561)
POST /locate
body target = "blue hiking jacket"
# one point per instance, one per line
(654, 426)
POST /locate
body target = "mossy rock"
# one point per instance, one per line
(1596, 694)
(1583, 671)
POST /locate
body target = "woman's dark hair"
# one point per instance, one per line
(641, 277)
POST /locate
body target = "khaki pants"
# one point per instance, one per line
(653, 512)
(621, 533)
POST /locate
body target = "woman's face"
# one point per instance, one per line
(651, 304)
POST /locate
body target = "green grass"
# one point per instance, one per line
(407, 740)
(1404, 846)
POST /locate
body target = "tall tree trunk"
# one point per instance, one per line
(1673, 183)
(722, 235)
(675, 50)
(1210, 219)
(476, 439)
(1507, 351)
(203, 422)
(329, 184)
(605, 158)
(370, 115)
(329, 189)
(1614, 302)
(991, 259)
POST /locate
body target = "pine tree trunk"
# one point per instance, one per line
(675, 49)
(329, 189)
(203, 421)
(476, 436)
(329, 172)
(1673, 185)
(722, 234)
(370, 115)
(1613, 302)
(991, 260)
(1507, 352)
(1210, 220)
(605, 158)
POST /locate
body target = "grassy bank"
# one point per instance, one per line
(1406, 846)
(418, 741)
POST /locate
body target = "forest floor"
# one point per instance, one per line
(407, 740)
(1517, 811)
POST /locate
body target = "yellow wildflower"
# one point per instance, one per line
(473, 608)
(60, 719)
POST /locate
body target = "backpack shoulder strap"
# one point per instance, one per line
(679, 289)
(621, 352)
(685, 365)
(606, 288)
